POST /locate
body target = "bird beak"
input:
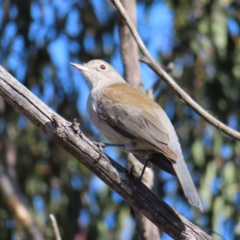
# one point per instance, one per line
(80, 67)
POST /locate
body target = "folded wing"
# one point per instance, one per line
(132, 122)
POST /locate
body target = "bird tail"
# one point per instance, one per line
(186, 182)
(179, 169)
(179, 165)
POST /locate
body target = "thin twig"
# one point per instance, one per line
(169, 80)
(55, 227)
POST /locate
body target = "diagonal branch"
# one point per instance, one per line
(68, 136)
(167, 78)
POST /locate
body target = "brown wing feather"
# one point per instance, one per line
(141, 124)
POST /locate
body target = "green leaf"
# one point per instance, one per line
(217, 143)
(218, 206)
(219, 30)
(206, 185)
(198, 152)
(229, 173)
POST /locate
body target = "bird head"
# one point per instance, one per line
(99, 73)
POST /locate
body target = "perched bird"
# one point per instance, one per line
(131, 119)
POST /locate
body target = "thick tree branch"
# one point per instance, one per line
(166, 77)
(68, 136)
(145, 229)
(128, 45)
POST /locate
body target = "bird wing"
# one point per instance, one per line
(133, 122)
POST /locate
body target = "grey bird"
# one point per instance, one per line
(131, 119)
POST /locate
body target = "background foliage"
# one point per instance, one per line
(38, 39)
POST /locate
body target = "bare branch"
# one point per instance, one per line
(128, 44)
(13, 200)
(146, 58)
(55, 227)
(115, 176)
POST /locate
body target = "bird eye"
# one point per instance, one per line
(103, 67)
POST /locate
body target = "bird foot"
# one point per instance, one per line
(101, 146)
(131, 173)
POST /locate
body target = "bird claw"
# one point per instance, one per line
(101, 147)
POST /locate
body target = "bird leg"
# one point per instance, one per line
(144, 158)
(104, 145)
(130, 171)
(143, 170)
(114, 145)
